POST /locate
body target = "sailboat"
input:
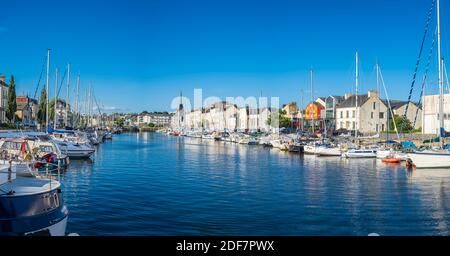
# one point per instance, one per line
(439, 158)
(358, 153)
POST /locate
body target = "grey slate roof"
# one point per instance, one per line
(351, 101)
(396, 104)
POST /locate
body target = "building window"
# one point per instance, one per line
(342, 114)
(382, 127)
(371, 115)
(374, 106)
(354, 125)
(342, 124)
(376, 129)
(347, 114)
(382, 115)
(354, 113)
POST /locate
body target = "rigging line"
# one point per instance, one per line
(418, 61)
(424, 79)
(62, 81)
(40, 78)
(446, 78)
(389, 102)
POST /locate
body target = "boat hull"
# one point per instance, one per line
(328, 152)
(430, 160)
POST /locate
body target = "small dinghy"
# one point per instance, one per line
(392, 160)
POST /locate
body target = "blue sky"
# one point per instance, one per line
(138, 55)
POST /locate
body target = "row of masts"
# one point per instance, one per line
(78, 118)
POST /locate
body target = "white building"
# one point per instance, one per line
(431, 114)
(157, 118)
(3, 98)
(369, 117)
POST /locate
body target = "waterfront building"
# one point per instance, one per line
(314, 116)
(161, 119)
(399, 107)
(194, 120)
(331, 104)
(291, 110)
(430, 114)
(231, 117)
(27, 109)
(177, 120)
(264, 115)
(61, 114)
(243, 119)
(3, 98)
(369, 117)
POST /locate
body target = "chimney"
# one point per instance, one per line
(2, 79)
(348, 95)
(373, 94)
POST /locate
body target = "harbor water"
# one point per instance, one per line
(153, 184)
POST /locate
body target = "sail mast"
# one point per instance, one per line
(66, 118)
(56, 100)
(379, 98)
(356, 101)
(312, 99)
(76, 98)
(47, 89)
(441, 87)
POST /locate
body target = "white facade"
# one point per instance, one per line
(431, 114)
(158, 119)
(369, 117)
(3, 98)
(222, 116)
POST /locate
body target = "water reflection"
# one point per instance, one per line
(152, 184)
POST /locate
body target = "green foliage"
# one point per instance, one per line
(280, 118)
(120, 122)
(42, 108)
(11, 105)
(401, 121)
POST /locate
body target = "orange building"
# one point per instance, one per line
(314, 112)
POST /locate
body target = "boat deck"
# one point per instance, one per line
(28, 185)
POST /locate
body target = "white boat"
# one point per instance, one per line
(310, 149)
(75, 150)
(30, 205)
(328, 151)
(279, 144)
(360, 153)
(382, 154)
(430, 159)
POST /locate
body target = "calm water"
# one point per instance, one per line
(152, 184)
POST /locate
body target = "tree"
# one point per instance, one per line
(281, 118)
(42, 109)
(402, 123)
(11, 104)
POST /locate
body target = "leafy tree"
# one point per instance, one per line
(401, 122)
(42, 109)
(280, 116)
(120, 122)
(11, 104)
